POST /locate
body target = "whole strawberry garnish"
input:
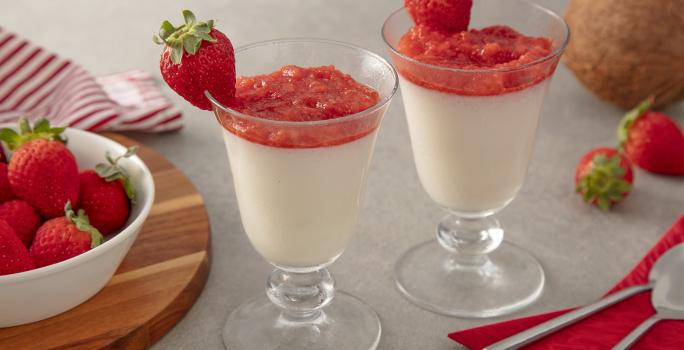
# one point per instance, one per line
(6, 193)
(604, 177)
(22, 218)
(449, 16)
(63, 238)
(106, 194)
(197, 58)
(42, 171)
(14, 255)
(652, 140)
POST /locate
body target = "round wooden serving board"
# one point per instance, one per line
(157, 283)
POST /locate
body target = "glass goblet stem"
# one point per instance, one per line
(469, 239)
(301, 295)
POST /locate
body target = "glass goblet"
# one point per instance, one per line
(299, 186)
(472, 145)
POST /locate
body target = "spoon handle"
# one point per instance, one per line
(632, 337)
(550, 326)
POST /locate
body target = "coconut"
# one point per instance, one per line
(626, 50)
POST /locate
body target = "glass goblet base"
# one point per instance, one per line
(508, 280)
(346, 323)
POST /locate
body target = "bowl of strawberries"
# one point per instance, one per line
(71, 205)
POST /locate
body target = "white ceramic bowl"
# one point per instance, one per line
(38, 294)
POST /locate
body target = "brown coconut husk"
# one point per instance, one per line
(626, 50)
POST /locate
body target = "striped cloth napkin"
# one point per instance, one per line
(35, 83)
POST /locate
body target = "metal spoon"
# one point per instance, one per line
(668, 300)
(674, 256)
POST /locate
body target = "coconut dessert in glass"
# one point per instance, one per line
(472, 100)
(299, 125)
(299, 137)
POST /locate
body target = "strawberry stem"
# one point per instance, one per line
(82, 223)
(113, 171)
(604, 183)
(41, 130)
(185, 38)
(629, 119)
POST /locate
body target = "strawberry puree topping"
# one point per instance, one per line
(491, 47)
(495, 47)
(303, 94)
(298, 94)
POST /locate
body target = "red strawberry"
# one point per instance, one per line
(652, 140)
(3, 156)
(42, 171)
(22, 218)
(604, 177)
(208, 61)
(6, 193)
(106, 193)
(63, 238)
(15, 256)
(450, 16)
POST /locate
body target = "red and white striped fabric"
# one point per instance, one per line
(35, 83)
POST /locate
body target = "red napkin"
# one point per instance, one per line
(601, 330)
(36, 83)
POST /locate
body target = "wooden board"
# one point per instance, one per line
(157, 283)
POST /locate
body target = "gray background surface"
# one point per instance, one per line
(583, 250)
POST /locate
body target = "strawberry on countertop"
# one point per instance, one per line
(42, 171)
(197, 58)
(449, 16)
(63, 238)
(22, 218)
(15, 256)
(604, 177)
(652, 140)
(106, 194)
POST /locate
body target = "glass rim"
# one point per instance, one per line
(546, 58)
(358, 115)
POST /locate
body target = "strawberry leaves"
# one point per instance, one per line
(604, 183)
(113, 171)
(185, 38)
(630, 118)
(40, 130)
(81, 221)
(189, 17)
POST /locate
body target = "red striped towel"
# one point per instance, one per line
(35, 83)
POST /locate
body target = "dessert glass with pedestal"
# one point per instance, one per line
(299, 186)
(472, 132)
